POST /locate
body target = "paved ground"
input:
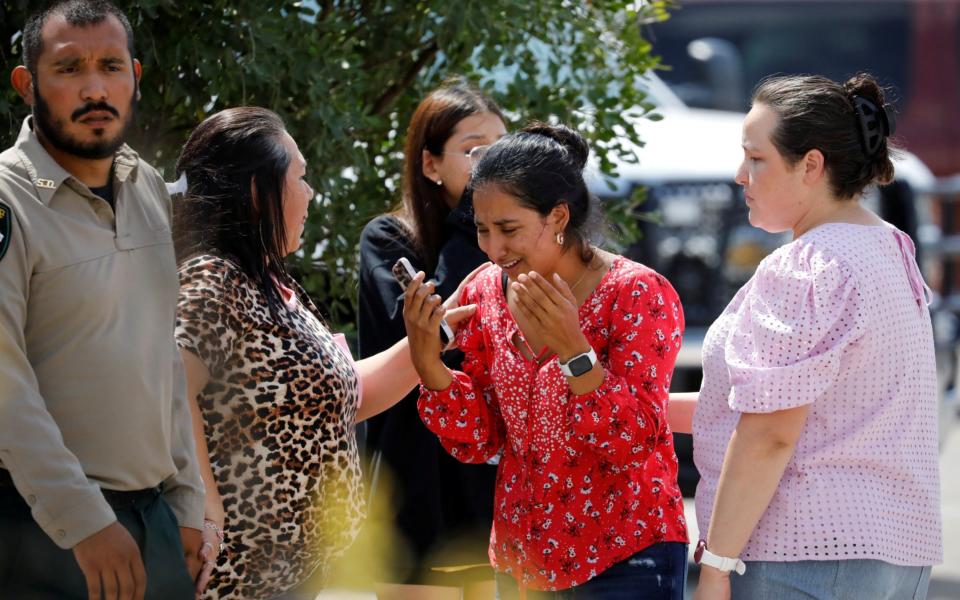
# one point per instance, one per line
(945, 584)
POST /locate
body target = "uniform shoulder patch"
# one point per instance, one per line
(5, 228)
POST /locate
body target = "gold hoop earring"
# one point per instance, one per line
(559, 238)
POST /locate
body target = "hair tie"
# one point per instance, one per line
(179, 186)
(875, 124)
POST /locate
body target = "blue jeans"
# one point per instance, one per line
(830, 580)
(655, 573)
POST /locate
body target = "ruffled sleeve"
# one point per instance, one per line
(802, 310)
(625, 417)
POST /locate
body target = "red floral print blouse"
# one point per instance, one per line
(584, 481)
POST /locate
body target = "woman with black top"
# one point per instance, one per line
(436, 502)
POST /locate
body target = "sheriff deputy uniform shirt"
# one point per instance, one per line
(91, 387)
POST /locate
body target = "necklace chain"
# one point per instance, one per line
(586, 269)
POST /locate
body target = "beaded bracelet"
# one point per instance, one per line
(208, 524)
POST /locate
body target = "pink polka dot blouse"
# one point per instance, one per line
(584, 481)
(836, 319)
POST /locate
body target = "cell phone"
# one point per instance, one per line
(404, 272)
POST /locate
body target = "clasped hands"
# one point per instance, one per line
(550, 311)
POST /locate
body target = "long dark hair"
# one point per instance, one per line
(235, 165)
(818, 113)
(542, 167)
(424, 208)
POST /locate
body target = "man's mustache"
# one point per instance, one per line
(87, 108)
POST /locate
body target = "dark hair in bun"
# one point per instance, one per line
(542, 166)
(572, 141)
(850, 124)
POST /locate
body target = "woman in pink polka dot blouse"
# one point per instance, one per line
(566, 371)
(815, 431)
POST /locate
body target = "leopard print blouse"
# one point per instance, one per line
(279, 414)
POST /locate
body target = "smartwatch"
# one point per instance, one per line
(702, 556)
(579, 364)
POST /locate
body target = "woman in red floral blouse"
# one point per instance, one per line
(567, 369)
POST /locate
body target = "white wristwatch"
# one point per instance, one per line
(579, 364)
(721, 563)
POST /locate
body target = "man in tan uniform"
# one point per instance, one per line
(99, 487)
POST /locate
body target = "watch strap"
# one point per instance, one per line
(722, 563)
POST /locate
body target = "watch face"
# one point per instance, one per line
(698, 553)
(580, 365)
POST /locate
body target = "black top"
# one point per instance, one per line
(438, 501)
(105, 192)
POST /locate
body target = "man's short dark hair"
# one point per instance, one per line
(79, 13)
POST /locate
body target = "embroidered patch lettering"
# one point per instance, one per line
(47, 184)
(5, 219)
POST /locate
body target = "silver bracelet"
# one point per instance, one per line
(208, 524)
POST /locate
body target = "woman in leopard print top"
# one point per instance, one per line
(275, 395)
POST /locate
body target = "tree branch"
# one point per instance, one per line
(396, 90)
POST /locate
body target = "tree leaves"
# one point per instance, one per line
(345, 75)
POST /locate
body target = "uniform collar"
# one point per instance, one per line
(47, 175)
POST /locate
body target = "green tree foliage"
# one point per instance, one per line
(346, 75)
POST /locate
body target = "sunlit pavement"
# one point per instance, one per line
(945, 584)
